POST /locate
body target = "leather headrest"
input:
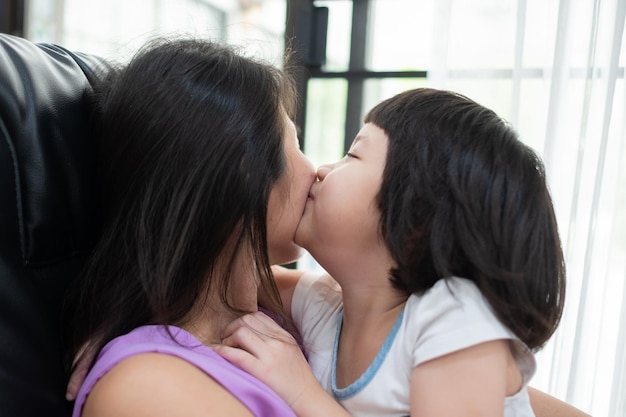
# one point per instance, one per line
(44, 124)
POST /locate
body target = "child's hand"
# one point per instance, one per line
(259, 346)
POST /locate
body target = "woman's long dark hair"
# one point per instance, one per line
(462, 196)
(190, 146)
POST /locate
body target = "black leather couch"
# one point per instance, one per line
(47, 221)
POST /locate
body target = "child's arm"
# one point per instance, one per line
(259, 346)
(285, 369)
(468, 382)
(545, 405)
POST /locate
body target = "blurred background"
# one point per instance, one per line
(553, 68)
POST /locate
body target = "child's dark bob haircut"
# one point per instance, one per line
(463, 196)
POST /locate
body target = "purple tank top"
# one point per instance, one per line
(252, 393)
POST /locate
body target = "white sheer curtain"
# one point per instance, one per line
(587, 356)
(568, 99)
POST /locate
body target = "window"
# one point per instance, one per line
(115, 29)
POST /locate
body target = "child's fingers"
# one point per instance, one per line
(232, 328)
(243, 337)
(237, 357)
(267, 327)
(255, 321)
(260, 321)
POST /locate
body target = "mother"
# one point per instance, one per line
(203, 186)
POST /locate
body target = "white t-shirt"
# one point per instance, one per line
(451, 316)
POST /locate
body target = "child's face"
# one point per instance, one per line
(341, 219)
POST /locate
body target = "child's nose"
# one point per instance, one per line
(322, 171)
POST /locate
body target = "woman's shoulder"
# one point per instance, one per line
(165, 370)
(159, 384)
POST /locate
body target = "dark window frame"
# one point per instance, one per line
(12, 17)
(307, 46)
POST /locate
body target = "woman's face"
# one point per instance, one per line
(287, 201)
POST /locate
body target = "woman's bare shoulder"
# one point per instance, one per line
(160, 385)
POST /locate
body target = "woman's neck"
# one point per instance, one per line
(210, 315)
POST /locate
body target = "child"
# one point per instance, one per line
(439, 232)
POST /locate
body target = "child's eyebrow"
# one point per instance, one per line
(356, 140)
(361, 138)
